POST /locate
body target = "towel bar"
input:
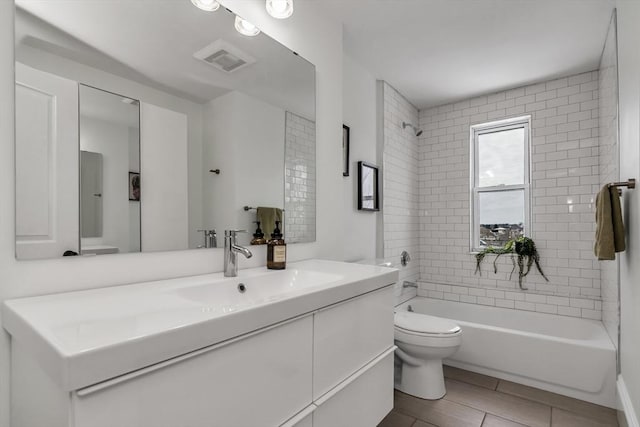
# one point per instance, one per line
(249, 208)
(631, 183)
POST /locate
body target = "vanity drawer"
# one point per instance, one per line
(349, 335)
(262, 380)
(362, 400)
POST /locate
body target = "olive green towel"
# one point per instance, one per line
(268, 217)
(609, 225)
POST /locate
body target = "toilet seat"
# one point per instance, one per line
(425, 325)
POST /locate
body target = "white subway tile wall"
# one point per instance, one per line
(520, 300)
(300, 179)
(565, 179)
(400, 188)
(609, 171)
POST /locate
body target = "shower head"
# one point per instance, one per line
(417, 131)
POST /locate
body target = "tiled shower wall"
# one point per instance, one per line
(608, 162)
(300, 179)
(565, 177)
(400, 186)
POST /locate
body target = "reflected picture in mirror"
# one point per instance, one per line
(167, 94)
(134, 186)
(368, 195)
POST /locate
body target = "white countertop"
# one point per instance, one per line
(82, 338)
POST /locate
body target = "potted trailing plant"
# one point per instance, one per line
(523, 252)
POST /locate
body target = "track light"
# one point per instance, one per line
(206, 5)
(246, 28)
(280, 9)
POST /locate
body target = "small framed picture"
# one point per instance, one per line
(368, 194)
(134, 186)
(345, 150)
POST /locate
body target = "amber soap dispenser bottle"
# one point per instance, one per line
(276, 250)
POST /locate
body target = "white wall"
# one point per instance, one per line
(310, 33)
(401, 186)
(564, 180)
(608, 163)
(245, 140)
(218, 191)
(629, 111)
(259, 146)
(359, 112)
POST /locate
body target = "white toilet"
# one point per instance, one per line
(423, 341)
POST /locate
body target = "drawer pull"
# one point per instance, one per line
(291, 422)
(337, 389)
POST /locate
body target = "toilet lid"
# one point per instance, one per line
(424, 324)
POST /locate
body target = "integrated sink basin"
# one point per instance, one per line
(250, 290)
(86, 337)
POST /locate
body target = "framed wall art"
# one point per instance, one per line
(368, 192)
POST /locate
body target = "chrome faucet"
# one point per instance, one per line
(408, 284)
(210, 239)
(231, 250)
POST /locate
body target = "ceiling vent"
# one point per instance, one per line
(224, 56)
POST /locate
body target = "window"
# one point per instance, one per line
(499, 181)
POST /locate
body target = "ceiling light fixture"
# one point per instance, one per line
(206, 5)
(246, 28)
(280, 9)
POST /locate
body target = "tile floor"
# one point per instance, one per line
(475, 400)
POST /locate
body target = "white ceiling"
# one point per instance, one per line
(153, 42)
(438, 51)
(109, 107)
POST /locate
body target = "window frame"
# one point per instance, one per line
(523, 122)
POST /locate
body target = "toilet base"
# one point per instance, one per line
(425, 381)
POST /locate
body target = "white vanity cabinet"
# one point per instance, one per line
(330, 366)
(349, 335)
(353, 361)
(260, 379)
(263, 379)
(362, 400)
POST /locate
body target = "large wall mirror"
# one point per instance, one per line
(145, 125)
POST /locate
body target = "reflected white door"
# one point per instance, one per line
(163, 179)
(47, 190)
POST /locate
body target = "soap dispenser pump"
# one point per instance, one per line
(276, 250)
(258, 236)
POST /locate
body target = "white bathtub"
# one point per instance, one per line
(565, 355)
